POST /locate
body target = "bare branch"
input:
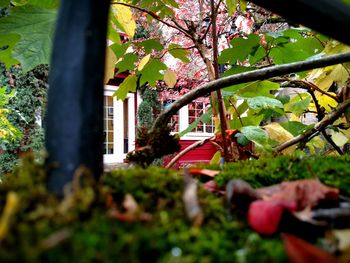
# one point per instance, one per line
(155, 16)
(259, 74)
(186, 150)
(327, 120)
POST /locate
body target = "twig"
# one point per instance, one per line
(175, 48)
(155, 16)
(320, 116)
(221, 105)
(186, 150)
(328, 119)
(238, 115)
(254, 75)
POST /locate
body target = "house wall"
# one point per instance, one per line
(202, 154)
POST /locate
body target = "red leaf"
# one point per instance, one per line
(300, 251)
(264, 216)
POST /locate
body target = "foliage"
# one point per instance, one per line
(249, 105)
(7, 131)
(84, 226)
(148, 108)
(174, 41)
(29, 40)
(28, 102)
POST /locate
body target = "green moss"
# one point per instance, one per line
(94, 236)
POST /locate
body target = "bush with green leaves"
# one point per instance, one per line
(23, 110)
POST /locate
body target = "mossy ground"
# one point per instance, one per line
(90, 234)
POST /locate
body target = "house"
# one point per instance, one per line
(120, 124)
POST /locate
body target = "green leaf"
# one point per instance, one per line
(172, 3)
(128, 85)
(255, 134)
(4, 3)
(151, 72)
(205, 118)
(50, 4)
(241, 49)
(112, 34)
(127, 63)
(178, 52)
(7, 43)
(241, 139)
(294, 127)
(119, 50)
(298, 104)
(260, 102)
(260, 88)
(292, 46)
(35, 25)
(231, 6)
(152, 44)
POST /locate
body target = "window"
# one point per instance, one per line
(108, 119)
(195, 111)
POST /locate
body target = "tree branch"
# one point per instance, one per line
(186, 150)
(155, 16)
(328, 119)
(320, 116)
(221, 106)
(254, 75)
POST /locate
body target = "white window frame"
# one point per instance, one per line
(118, 155)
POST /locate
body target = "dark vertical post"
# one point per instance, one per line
(74, 134)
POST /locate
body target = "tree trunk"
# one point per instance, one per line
(74, 134)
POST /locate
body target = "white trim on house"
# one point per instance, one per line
(118, 154)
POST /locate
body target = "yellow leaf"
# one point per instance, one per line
(170, 78)
(111, 59)
(314, 144)
(216, 158)
(143, 62)
(339, 74)
(278, 133)
(339, 138)
(125, 18)
(327, 102)
(335, 47)
(293, 117)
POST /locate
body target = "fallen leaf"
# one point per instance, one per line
(199, 171)
(300, 251)
(307, 192)
(264, 216)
